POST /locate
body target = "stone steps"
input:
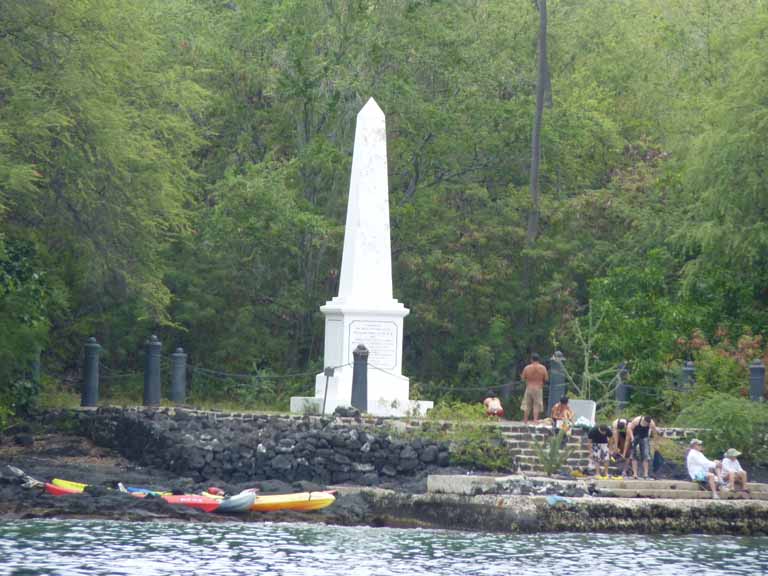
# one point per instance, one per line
(667, 485)
(533, 459)
(516, 444)
(531, 451)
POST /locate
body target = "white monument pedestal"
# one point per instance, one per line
(365, 312)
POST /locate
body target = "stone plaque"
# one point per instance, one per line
(381, 340)
(334, 342)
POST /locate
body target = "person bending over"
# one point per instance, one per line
(600, 455)
(618, 445)
(639, 435)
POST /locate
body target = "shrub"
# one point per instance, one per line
(479, 446)
(475, 443)
(730, 422)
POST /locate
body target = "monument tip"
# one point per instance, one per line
(371, 107)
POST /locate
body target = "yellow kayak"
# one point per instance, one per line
(299, 501)
(78, 486)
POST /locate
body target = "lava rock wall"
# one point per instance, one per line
(240, 447)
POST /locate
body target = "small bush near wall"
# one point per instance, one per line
(473, 443)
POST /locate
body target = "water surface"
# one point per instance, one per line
(74, 547)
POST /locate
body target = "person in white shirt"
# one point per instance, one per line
(732, 470)
(701, 469)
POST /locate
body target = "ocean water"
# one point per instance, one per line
(74, 547)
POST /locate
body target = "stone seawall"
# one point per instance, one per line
(241, 447)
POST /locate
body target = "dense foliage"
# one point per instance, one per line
(181, 167)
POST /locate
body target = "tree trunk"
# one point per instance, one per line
(543, 96)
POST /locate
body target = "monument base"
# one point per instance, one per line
(387, 395)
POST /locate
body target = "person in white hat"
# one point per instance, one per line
(701, 469)
(733, 473)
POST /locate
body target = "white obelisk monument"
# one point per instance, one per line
(365, 312)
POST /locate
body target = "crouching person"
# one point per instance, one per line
(701, 469)
(493, 407)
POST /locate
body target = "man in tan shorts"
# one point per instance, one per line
(535, 375)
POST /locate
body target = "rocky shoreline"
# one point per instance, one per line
(79, 449)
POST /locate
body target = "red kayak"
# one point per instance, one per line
(59, 491)
(191, 500)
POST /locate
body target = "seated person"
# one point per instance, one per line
(562, 415)
(701, 469)
(493, 405)
(732, 472)
(598, 437)
(618, 446)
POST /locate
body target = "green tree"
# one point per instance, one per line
(96, 132)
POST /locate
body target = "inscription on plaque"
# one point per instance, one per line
(381, 340)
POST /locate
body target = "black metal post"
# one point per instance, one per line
(689, 376)
(556, 381)
(152, 372)
(328, 371)
(178, 376)
(622, 388)
(90, 392)
(757, 381)
(360, 378)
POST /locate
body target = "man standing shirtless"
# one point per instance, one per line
(535, 375)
